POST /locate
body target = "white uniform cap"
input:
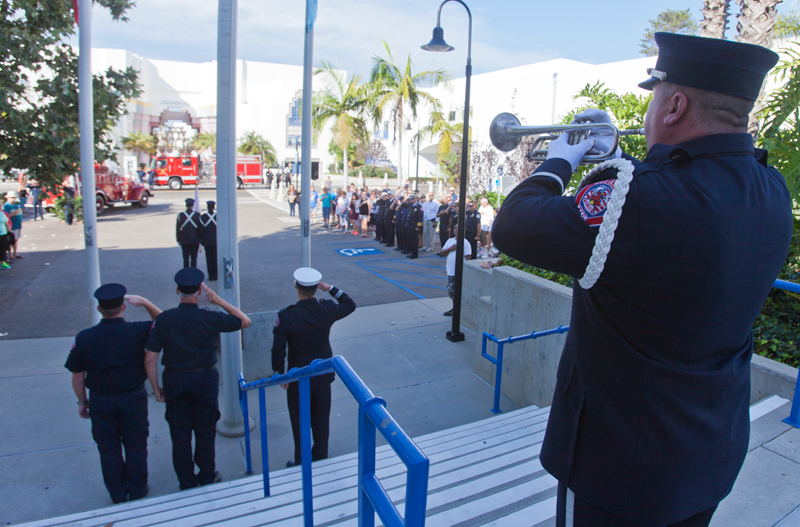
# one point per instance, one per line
(307, 276)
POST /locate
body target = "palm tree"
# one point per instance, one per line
(139, 143)
(715, 18)
(448, 134)
(788, 25)
(254, 144)
(206, 141)
(392, 88)
(346, 102)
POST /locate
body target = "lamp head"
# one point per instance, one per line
(437, 43)
(408, 128)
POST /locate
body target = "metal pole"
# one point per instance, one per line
(305, 167)
(86, 128)
(416, 184)
(455, 334)
(232, 423)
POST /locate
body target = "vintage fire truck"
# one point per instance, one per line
(110, 190)
(177, 171)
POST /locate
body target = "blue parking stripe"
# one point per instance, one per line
(399, 271)
(391, 281)
(421, 285)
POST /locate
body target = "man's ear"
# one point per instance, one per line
(677, 107)
(178, 291)
(98, 310)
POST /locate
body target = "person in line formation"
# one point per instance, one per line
(209, 239)
(189, 232)
(443, 214)
(413, 227)
(189, 338)
(449, 250)
(649, 423)
(108, 360)
(305, 328)
(472, 225)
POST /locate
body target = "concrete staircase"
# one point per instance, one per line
(485, 473)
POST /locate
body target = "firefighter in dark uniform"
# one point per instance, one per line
(387, 219)
(108, 359)
(649, 423)
(404, 210)
(413, 226)
(305, 327)
(209, 222)
(189, 337)
(398, 223)
(189, 232)
(472, 225)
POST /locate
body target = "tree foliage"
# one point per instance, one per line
(39, 89)
(669, 21)
(139, 143)
(205, 141)
(254, 144)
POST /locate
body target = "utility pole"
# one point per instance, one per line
(305, 144)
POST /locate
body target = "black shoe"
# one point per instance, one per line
(216, 479)
(448, 313)
(389, 245)
(438, 254)
(290, 464)
(398, 249)
(412, 256)
(131, 497)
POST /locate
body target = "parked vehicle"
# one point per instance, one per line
(110, 190)
(177, 171)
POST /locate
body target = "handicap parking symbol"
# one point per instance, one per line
(359, 252)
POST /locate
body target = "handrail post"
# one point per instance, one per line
(262, 408)
(366, 465)
(794, 415)
(245, 414)
(304, 386)
(498, 378)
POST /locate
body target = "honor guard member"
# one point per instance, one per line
(189, 232)
(209, 222)
(108, 359)
(189, 337)
(413, 226)
(397, 221)
(387, 219)
(472, 225)
(649, 423)
(305, 327)
(404, 210)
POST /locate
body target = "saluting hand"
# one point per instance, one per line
(324, 287)
(213, 297)
(135, 300)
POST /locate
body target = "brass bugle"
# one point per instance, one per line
(506, 133)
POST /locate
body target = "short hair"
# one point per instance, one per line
(713, 112)
(187, 296)
(307, 288)
(111, 312)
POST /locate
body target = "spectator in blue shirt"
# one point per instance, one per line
(313, 203)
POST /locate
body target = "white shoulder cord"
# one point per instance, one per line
(602, 244)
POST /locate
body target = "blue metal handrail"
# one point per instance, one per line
(499, 360)
(794, 415)
(373, 415)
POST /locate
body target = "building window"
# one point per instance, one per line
(293, 140)
(382, 134)
(295, 118)
(452, 116)
(294, 123)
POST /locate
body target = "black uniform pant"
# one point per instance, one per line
(320, 420)
(390, 233)
(192, 406)
(473, 243)
(413, 240)
(444, 234)
(379, 230)
(398, 230)
(190, 255)
(211, 261)
(573, 511)
(120, 420)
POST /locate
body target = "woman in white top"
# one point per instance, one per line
(487, 217)
(343, 210)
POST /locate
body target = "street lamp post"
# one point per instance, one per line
(438, 44)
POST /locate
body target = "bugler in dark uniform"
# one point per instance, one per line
(189, 337)
(189, 232)
(209, 222)
(305, 327)
(413, 226)
(472, 224)
(649, 423)
(108, 359)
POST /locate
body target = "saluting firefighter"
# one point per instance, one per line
(305, 327)
(189, 232)
(209, 240)
(413, 226)
(649, 423)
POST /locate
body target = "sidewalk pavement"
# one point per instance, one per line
(50, 462)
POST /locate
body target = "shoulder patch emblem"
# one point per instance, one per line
(277, 321)
(592, 201)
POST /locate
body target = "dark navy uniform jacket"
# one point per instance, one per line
(650, 415)
(414, 218)
(189, 336)
(188, 228)
(112, 355)
(209, 222)
(472, 221)
(306, 327)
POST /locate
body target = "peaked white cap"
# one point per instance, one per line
(307, 276)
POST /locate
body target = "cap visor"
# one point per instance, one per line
(649, 83)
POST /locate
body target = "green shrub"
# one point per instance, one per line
(370, 171)
(77, 204)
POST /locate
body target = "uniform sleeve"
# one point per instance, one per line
(154, 342)
(200, 228)
(74, 361)
(279, 341)
(540, 227)
(346, 304)
(178, 229)
(224, 323)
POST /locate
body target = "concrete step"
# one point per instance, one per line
(483, 473)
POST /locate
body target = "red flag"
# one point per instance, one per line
(75, 7)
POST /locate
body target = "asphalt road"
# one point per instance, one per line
(46, 294)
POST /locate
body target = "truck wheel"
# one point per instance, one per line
(175, 183)
(144, 199)
(100, 204)
(239, 183)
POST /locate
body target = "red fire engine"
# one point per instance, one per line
(110, 190)
(176, 172)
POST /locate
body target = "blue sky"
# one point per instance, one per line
(506, 33)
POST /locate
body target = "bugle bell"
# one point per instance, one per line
(506, 133)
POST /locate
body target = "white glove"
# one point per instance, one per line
(603, 142)
(572, 154)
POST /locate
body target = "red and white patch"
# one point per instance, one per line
(73, 346)
(277, 321)
(153, 325)
(592, 201)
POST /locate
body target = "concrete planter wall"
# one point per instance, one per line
(508, 302)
